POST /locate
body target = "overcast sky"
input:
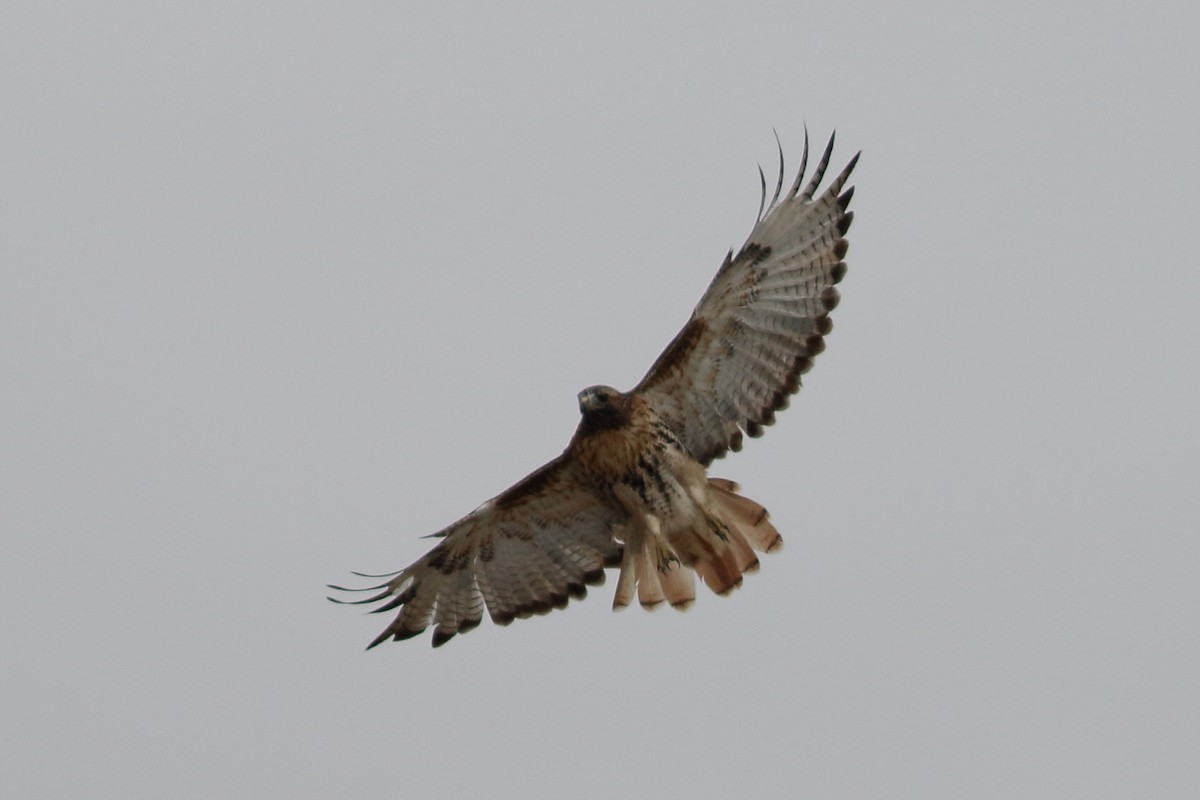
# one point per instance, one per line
(287, 286)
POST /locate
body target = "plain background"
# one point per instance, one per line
(288, 286)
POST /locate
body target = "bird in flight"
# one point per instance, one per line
(632, 490)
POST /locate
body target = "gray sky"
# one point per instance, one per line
(284, 290)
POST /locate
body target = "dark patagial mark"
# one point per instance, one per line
(446, 562)
(529, 487)
(438, 557)
(676, 353)
(754, 253)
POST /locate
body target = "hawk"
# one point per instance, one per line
(632, 490)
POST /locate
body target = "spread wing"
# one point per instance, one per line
(761, 321)
(526, 551)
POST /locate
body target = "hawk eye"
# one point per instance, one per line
(602, 397)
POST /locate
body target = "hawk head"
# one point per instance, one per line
(603, 407)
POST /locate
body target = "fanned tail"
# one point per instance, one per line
(750, 519)
(720, 549)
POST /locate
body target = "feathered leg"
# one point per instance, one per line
(652, 567)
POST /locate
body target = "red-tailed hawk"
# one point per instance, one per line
(632, 488)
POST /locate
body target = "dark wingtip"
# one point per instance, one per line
(843, 224)
(395, 602)
(803, 166)
(779, 180)
(380, 639)
(819, 171)
(337, 588)
(395, 635)
(830, 297)
(845, 197)
(364, 601)
(369, 575)
(852, 163)
(844, 176)
(762, 198)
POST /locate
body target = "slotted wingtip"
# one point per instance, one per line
(370, 575)
(363, 601)
(819, 171)
(762, 201)
(779, 179)
(393, 635)
(795, 187)
(850, 165)
(378, 640)
(337, 588)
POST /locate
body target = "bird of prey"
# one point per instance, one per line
(632, 490)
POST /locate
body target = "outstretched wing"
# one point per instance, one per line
(526, 551)
(761, 321)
